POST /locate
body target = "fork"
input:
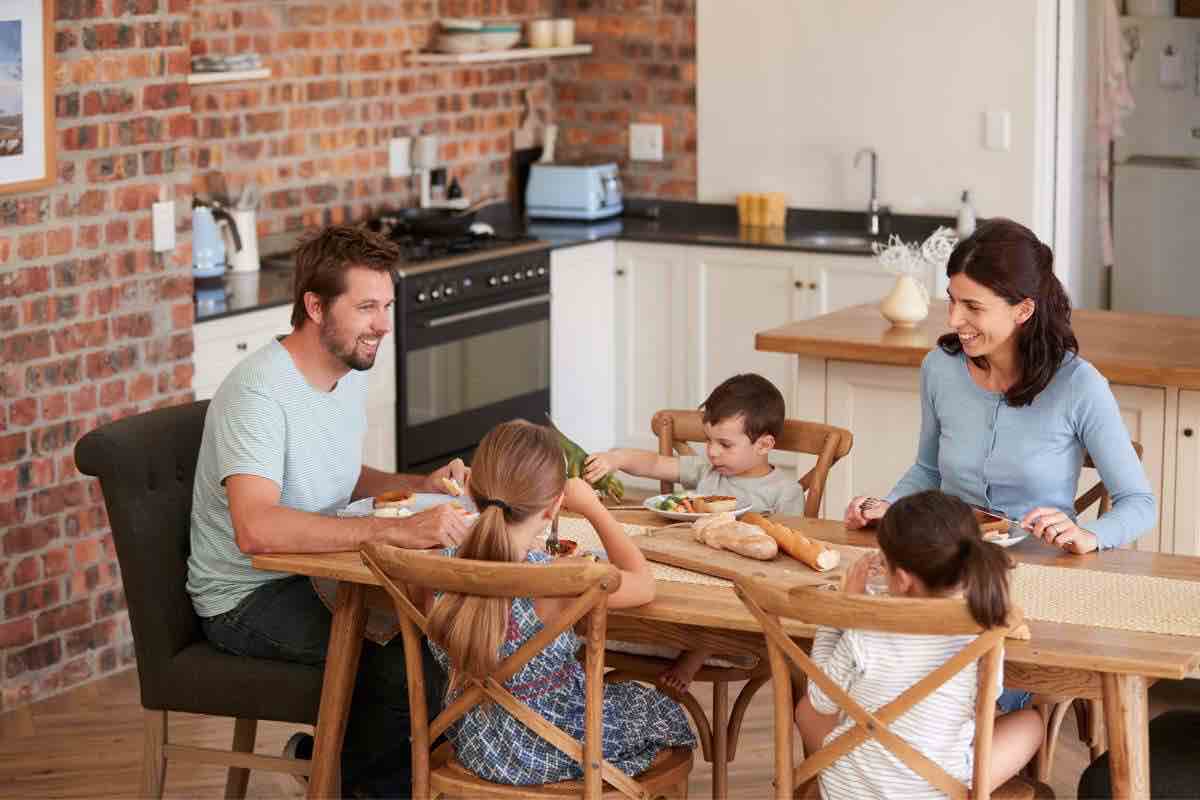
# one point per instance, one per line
(869, 503)
(552, 539)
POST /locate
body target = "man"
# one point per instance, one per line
(282, 448)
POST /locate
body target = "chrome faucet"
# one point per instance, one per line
(873, 207)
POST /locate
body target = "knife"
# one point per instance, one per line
(992, 513)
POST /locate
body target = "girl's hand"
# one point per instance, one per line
(579, 496)
(855, 581)
(598, 465)
(1055, 527)
(456, 469)
(858, 517)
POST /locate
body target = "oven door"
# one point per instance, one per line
(463, 370)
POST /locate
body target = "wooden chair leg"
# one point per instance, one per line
(720, 735)
(1052, 718)
(739, 710)
(154, 763)
(1089, 715)
(244, 733)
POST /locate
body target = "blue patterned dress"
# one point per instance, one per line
(639, 721)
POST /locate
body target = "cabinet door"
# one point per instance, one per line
(881, 405)
(221, 343)
(379, 449)
(652, 338)
(1143, 409)
(582, 347)
(736, 293)
(835, 282)
(1187, 476)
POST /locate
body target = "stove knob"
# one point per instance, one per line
(422, 297)
(493, 281)
(529, 273)
(449, 291)
(541, 272)
(518, 275)
(467, 283)
(436, 294)
(506, 278)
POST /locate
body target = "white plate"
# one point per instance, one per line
(421, 502)
(651, 504)
(1011, 540)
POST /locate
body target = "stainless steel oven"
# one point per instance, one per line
(473, 350)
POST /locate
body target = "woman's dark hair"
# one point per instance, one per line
(1009, 259)
(935, 536)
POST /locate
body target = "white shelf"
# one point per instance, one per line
(500, 55)
(228, 77)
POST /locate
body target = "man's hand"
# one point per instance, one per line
(440, 526)
(456, 469)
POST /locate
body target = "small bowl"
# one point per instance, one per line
(459, 42)
(498, 40)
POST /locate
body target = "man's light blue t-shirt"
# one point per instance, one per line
(266, 420)
(975, 446)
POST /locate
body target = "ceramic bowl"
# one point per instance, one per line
(499, 40)
(459, 42)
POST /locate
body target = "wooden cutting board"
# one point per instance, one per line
(678, 547)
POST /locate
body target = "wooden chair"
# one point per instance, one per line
(719, 739)
(814, 606)
(1053, 708)
(438, 773)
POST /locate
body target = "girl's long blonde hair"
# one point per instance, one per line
(517, 472)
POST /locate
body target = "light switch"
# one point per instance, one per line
(997, 130)
(162, 216)
(645, 142)
(399, 165)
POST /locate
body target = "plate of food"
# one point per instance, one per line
(998, 529)
(687, 506)
(401, 503)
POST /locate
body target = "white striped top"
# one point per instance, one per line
(265, 419)
(875, 668)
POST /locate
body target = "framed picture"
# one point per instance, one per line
(27, 132)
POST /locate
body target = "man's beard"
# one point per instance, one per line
(347, 354)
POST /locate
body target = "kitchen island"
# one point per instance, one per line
(858, 372)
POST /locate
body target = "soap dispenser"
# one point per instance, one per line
(966, 216)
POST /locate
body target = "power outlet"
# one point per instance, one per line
(399, 165)
(645, 142)
(162, 216)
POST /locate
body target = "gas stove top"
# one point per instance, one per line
(416, 249)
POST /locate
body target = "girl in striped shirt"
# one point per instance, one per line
(931, 547)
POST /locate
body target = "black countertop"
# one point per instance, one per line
(644, 221)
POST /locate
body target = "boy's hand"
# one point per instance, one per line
(579, 496)
(598, 465)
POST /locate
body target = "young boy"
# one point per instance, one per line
(742, 419)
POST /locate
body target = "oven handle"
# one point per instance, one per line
(450, 319)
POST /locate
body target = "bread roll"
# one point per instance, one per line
(452, 487)
(714, 503)
(723, 532)
(817, 555)
(399, 497)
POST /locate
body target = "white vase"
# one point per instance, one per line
(907, 303)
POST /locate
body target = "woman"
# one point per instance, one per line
(1008, 407)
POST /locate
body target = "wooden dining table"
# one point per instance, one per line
(1115, 666)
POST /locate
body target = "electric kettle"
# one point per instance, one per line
(208, 248)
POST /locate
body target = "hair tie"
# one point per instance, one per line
(484, 502)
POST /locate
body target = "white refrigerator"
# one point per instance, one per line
(1156, 175)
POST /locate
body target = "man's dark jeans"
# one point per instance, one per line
(286, 620)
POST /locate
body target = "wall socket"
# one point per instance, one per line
(645, 142)
(399, 165)
(162, 217)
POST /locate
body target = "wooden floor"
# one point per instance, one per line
(87, 743)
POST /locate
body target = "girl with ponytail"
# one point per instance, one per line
(518, 482)
(1009, 408)
(931, 546)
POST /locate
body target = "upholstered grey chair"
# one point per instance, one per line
(146, 465)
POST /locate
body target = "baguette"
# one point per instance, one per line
(723, 532)
(817, 555)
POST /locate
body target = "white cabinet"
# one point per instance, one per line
(582, 347)
(1187, 475)
(836, 282)
(222, 343)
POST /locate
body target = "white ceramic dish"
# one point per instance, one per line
(498, 40)
(421, 502)
(651, 504)
(1010, 540)
(461, 42)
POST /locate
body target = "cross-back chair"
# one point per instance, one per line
(437, 773)
(719, 738)
(940, 616)
(1089, 712)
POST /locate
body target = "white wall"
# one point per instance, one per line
(1088, 289)
(788, 90)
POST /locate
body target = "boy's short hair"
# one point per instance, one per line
(752, 397)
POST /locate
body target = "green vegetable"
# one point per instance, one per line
(576, 456)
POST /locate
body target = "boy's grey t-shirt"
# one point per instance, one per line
(266, 420)
(775, 492)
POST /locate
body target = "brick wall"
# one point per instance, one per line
(314, 137)
(93, 326)
(642, 69)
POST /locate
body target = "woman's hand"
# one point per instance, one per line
(1055, 527)
(859, 517)
(579, 496)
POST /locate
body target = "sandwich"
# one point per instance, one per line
(714, 503)
(452, 487)
(395, 499)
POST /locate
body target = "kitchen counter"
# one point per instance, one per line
(1137, 349)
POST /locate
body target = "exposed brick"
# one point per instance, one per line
(22, 601)
(26, 571)
(16, 633)
(28, 538)
(56, 562)
(13, 447)
(57, 620)
(93, 637)
(39, 656)
(109, 603)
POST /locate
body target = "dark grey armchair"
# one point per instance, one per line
(146, 465)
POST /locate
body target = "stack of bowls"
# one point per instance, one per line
(473, 35)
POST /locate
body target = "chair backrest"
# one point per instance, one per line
(768, 603)
(829, 443)
(1099, 491)
(400, 571)
(147, 465)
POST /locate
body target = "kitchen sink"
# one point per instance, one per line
(833, 240)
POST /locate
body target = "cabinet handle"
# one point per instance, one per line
(814, 285)
(1187, 432)
(620, 273)
(799, 284)
(241, 346)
